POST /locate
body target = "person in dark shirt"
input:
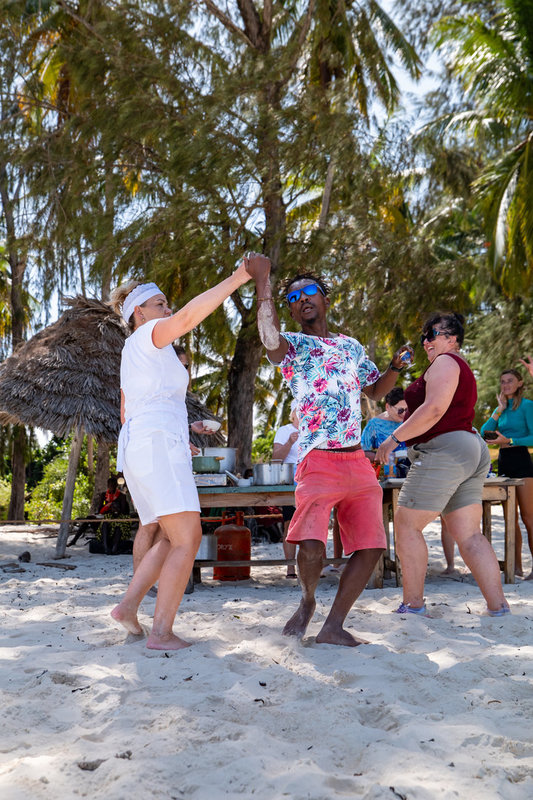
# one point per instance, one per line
(449, 464)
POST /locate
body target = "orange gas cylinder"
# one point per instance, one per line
(234, 543)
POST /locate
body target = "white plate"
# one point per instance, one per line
(211, 424)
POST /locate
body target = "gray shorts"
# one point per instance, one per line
(446, 473)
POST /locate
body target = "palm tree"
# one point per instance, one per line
(492, 57)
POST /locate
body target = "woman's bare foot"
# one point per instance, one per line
(449, 570)
(167, 641)
(127, 618)
(337, 635)
(297, 625)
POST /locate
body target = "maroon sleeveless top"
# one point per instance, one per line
(459, 415)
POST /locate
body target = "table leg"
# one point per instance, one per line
(509, 516)
(487, 520)
(395, 494)
(376, 579)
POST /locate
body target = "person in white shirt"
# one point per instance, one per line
(153, 449)
(286, 449)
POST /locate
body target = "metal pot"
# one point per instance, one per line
(287, 473)
(206, 464)
(228, 455)
(208, 548)
(273, 474)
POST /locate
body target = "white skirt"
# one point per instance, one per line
(158, 471)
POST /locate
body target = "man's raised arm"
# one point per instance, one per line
(258, 267)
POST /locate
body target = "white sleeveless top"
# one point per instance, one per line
(154, 382)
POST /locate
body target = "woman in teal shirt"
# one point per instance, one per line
(511, 428)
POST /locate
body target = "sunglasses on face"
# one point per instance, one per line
(309, 290)
(432, 335)
(401, 410)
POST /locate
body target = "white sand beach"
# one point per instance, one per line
(430, 708)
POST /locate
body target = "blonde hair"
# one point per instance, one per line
(119, 294)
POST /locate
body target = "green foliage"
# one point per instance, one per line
(492, 58)
(262, 447)
(47, 496)
(5, 494)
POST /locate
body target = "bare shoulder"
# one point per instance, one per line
(444, 367)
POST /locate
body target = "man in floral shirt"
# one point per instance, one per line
(327, 373)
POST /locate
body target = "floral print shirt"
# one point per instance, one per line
(326, 377)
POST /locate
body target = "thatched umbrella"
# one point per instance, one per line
(67, 378)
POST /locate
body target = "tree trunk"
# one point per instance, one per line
(241, 385)
(17, 266)
(18, 470)
(101, 475)
(68, 496)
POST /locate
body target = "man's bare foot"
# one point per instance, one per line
(167, 642)
(519, 572)
(297, 625)
(337, 635)
(127, 618)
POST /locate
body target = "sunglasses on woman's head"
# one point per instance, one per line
(432, 334)
(309, 291)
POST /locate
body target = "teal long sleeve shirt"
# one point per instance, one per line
(516, 425)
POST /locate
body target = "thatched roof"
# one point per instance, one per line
(68, 375)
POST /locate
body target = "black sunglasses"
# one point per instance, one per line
(432, 334)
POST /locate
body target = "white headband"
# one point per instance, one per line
(138, 296)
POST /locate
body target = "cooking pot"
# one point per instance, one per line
(273, 474)
(228, 455)
(206, 464)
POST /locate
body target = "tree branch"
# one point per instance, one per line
(225, 20)
(252, 23)
(304, 30)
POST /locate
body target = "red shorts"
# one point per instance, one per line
(347, 481)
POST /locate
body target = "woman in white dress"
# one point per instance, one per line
(154, 449)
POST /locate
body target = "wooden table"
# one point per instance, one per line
(495, 490)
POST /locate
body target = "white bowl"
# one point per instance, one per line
(211, 424)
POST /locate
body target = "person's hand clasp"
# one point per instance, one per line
(397, 361)
(258, 267)
(384, 450)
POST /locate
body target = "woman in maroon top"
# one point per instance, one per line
(449, 464)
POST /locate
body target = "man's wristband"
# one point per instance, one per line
(395, 369)
(510, 443)
(394, 439)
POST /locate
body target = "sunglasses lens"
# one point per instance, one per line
(292, 297)
(310, 290)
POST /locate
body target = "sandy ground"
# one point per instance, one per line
(431, 708)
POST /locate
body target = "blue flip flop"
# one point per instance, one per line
(501, 612)
(407, 608)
